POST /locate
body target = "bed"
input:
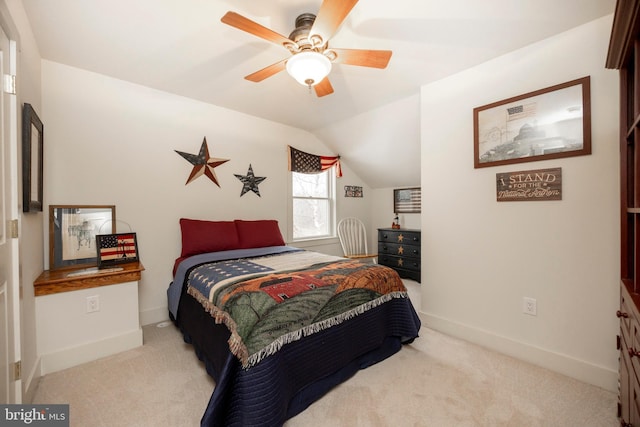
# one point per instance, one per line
(277, 327)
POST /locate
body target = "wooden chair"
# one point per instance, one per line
(353, 239)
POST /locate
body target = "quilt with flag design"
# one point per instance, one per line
(267, 302)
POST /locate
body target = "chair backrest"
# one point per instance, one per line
(353, 236)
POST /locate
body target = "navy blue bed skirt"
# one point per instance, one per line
(286, 383)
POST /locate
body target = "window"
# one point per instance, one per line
(313, 204)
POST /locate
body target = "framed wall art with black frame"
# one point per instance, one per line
(549, 123)
(32, 160)
(72, 233)
(407, 200)
(115, 249)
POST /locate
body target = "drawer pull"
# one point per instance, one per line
(621, 314)
(633, 352)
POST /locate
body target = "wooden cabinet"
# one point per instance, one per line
(629, 345)
(83, 315)
(400, 250)
(624, 55)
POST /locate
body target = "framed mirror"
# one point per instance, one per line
(32, 161)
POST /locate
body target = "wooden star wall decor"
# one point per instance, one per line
(250, 181)
(202, 163)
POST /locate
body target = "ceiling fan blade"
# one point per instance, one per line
(251, 27)
(269, 71)
(362, 57)
(330, 17)
(324, 87)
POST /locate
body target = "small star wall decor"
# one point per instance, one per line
(202, 163)
(250, 181)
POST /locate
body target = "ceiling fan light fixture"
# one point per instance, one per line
(308, 68)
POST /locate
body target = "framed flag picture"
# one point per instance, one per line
(115, 249)
(407, 200)
(550, 123)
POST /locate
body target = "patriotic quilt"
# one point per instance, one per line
(278, 327)
(269, 301)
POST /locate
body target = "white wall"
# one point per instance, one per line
(483, 257)
(391, 132)
(112, 142)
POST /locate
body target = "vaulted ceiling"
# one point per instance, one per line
(182, 47)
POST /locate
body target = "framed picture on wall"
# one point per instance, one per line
(546, 124)
(32, 160)
(407, 200)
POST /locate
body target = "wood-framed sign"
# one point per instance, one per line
(407, 200)
(546, 124)
(352, 191)
(115, 249)
(524, 186)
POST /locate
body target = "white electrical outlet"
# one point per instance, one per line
(530, 306)
(93, 304)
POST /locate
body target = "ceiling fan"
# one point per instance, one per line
(311, 57)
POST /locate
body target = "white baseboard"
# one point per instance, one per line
(72, 356)
(154, 315)
(581, 370)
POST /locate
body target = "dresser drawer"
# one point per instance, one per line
(406, 237)
(398, 249)
(405, 263)
(625, 314)
(634, 345)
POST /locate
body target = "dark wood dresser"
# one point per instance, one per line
(624, 55)
(400, 250)
(629, 346)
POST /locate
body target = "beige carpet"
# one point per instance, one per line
(436, 381)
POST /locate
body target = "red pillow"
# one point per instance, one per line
(259, 234)
(207, 236)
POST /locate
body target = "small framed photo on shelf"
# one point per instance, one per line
(115, 249)
(72, 233)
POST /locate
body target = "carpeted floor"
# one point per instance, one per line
(436, 381)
